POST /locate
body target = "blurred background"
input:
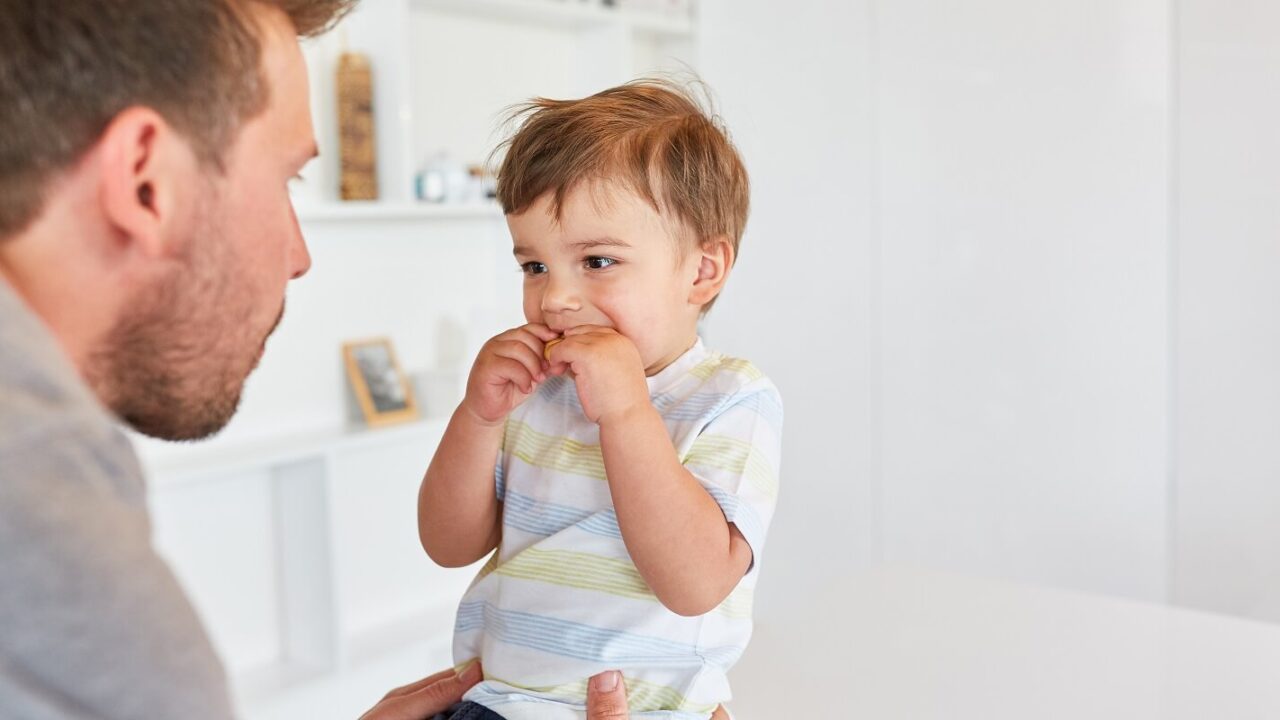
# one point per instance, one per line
(1012, 264)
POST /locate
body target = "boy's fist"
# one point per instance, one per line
(606, 368)
(507, 370)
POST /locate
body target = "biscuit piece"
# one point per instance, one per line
(546, 350)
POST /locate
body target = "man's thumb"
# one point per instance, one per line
(607, 697)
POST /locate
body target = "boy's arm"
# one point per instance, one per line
(459, 515)
(677, 535)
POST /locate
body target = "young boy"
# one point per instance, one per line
(636, 470)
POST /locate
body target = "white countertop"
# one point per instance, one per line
(896, 643)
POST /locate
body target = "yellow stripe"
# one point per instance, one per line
(489, 566)
(642, 696)
(552, 451)
(719, 363)
(734, 456)
(586, 571)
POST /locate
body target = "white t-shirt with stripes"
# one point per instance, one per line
(561, 600)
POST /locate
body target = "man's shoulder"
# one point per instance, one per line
(83, 593)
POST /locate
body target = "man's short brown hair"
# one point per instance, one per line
(650, 135)
(68, 67)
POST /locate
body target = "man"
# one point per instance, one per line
(146, 239)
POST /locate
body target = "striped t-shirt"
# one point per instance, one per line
(561, 600)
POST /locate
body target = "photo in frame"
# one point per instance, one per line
(380, 386)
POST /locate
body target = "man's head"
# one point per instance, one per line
(145, 151)
(627, 208)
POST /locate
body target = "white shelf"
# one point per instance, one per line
(374, 211)
(567, 14)
(171, 464)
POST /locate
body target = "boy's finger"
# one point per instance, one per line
(523, 354)
(514, 372)
(543, 332)
(585, 329)
(522, 335)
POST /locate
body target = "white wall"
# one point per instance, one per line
(1228, 332)
(793, 80)
(957, 272)
(1023, 210)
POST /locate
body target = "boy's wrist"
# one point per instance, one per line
(470, 415)
(628, 416)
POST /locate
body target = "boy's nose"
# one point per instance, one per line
(559, 297)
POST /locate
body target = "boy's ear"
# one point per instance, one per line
(144, 165)
(715, 260)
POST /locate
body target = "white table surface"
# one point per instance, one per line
(897, 643)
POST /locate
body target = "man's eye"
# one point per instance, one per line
(533, 268)
(599, 263)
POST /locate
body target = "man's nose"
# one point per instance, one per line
(299, 256)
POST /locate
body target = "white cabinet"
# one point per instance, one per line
(301, 553)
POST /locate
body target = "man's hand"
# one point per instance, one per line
(427, 696)
(607, 369)
(507, 370)
(607, 699)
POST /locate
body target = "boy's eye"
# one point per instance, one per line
(533, 268)
(599, 263)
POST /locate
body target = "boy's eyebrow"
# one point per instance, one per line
(580, 245)
(600, 242)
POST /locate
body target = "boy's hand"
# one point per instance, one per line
(607, 369)
(507, 370)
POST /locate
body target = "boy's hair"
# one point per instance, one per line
(67, 67)
(651, 135)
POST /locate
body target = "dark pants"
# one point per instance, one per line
(468, 711)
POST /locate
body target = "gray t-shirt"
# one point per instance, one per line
(93, 623)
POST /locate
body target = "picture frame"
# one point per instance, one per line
(380, 385)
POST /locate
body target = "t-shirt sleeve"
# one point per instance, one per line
(736, 458)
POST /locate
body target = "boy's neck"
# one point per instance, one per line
(678, 350)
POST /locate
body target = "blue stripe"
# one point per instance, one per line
(739, 513)
(543, 518)
(500, 479)
(585, 642)
(704, 407)
(697, 407)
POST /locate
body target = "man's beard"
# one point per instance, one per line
(175, 364)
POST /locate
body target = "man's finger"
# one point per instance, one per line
(429, 699)
(414, 686)
(607, 697)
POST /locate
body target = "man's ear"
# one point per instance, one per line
(145, 165)
(715, 260)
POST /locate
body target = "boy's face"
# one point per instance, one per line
(609, 260)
